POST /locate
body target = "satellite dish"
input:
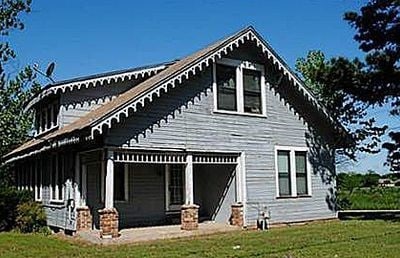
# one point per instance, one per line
(50, 69)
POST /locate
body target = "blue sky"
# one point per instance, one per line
(86, 37)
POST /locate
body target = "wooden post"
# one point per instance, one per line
(84, 185)
(189, 180)
(109, 198)
(77, 181)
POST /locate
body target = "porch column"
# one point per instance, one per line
(190, 211)
(109, 215)
(82, 212)
(109, 198)
(189, 180)
(238, 208)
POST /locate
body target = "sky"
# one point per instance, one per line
(88, 37)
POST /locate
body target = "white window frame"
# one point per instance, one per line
(240, 65)
(292, 172)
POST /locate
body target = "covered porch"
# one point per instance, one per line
(124, 188)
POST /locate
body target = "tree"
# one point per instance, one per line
(349, 87)
(15, 124)
(328, 80)
(378, 34)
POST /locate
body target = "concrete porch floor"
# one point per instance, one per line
(144, 234)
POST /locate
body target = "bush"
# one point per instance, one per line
(18, 210)
(370, 199)
(31, 217)
(10, 198)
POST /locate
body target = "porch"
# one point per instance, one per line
(144, 234)
(129, 188)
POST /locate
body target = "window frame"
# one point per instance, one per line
(292, 171)
(240, 65)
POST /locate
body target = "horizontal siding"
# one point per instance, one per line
(185, 119)
(77, 103)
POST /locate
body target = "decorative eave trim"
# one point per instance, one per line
(94, 82)
(53, 145)
(198, 66)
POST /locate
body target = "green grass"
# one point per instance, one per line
(328, 239)
(373, 199)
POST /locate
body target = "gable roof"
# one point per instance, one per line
(104, 116)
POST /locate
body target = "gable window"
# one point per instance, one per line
(226, 87)
(293, 172)
(252, 91)
(238, 87)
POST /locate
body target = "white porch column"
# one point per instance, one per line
(77, 180)
(84, 185)
(189, 180)
(109, 198)
(239, 184)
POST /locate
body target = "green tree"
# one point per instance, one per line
(328, 80)
(377, 26)
(15, 124)
(349, 87)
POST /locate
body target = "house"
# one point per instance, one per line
(224, 134)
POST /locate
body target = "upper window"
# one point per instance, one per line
(252, 91)
(226, 87)
(238, 87)
(293, 176)
(46, 117)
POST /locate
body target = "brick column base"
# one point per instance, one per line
(237, 215)
(108, 223)
(189, 217)
(83, 218)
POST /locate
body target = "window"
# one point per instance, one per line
(46, 116)
(226, 87)
(301, 172)
(293, 176)
(252, 91)
(121, 182)
(238, 87)
(284, 173)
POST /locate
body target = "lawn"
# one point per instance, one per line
(325, 239)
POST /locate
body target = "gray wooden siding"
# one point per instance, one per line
(77, 103)
(58, 213)
(185, 119)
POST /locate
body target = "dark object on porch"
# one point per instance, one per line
(369, 214)
(84, 219)
(108, 223)
(190, 217)
(237, 215)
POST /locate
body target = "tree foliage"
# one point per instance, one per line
(349, 87)
(378, 34)
(15, 90)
